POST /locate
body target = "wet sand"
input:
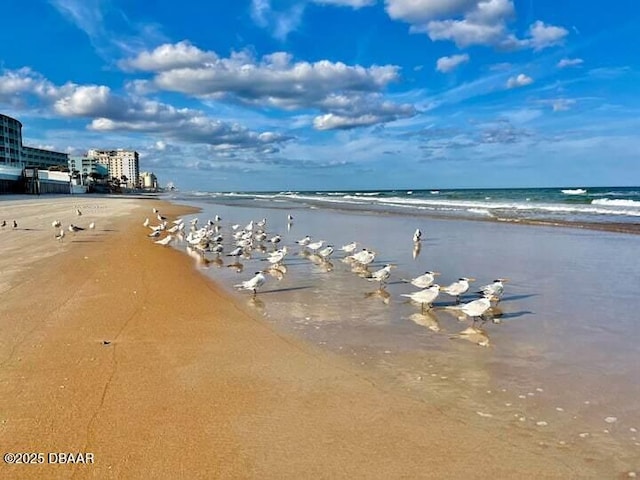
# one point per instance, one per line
(118, 347)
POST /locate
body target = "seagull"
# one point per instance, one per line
(155, 210)
(473, 309)
(458, 288)
(275, 239)
(277, 256)
(349, 248)
(304, 241)
(315, 245)
(417, 235)
(494, 290)
(165, 241)
(60, 236)
(425, 280)
(289, 218)
(15, 224)
(326, 251)
(217, 218)
(256, 282)
(235, 252)
(161, 218)
(92, 226)
(381, 275)
(4, 224)
(56, 224)
(424, 297)
(74, 228)
(146, 222)
(154, 234)
(78, 212)
(364, 257)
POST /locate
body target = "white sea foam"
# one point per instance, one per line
(575, 191)
(616, 202)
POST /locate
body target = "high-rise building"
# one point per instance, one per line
(14, 154)
(10, 142)
(120, 163)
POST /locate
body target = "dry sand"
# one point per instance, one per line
(192, 386)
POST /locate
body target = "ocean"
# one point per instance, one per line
(580, 205)
(555, 360)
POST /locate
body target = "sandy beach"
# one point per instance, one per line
(115, 346)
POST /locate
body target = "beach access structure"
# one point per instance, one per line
(33, 181)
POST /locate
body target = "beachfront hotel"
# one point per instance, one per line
(119, 163)
(19, 162)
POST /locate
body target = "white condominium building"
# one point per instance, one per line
(119, 163)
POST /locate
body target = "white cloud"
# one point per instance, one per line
(472, 22)
(277, 81)
(521, 80)
(570, 62)
(543, 36)
(447, 64)
(347, 3)
(279, 23)
(169, 56)
(128, 113)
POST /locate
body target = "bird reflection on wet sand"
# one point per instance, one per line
(474, 334)
(380, 293)
(426, 319)
(417, 247)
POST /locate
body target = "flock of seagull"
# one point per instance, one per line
(213, 238)
(57, 224)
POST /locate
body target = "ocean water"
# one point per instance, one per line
(555, 360)
(591, 204)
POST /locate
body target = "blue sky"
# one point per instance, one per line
(333, 94)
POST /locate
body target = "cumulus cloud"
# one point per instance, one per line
(169, 56)
(447, 64)
(570, 62)
(127, 113)
(520, 80)
(544, 36)
(277, 81)
(472, 22)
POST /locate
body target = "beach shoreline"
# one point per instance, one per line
(121, 348)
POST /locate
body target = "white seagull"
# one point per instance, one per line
(165, 241)
(424, 297)
(303, 242)
(60, 236)
(425, 280)
(74, 228)
(417, 235)
(326, 251)
(78, 212)
(56, 224)
(458, 288)
(349, 248)
(364, 257)
(253, 284)
(381, 275)
(473, 309)
(92, 226)
(494, 290)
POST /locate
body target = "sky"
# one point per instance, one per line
(223, 95)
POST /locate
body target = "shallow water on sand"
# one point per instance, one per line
(563, 345)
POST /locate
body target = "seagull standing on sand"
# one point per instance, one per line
(326, 251)
(417, 235)
(146, 222)
(458, 288)
(256, 282)
(364, 256)
(382, 275)
(92, 226)
(165, 241)
(60, 236)
(74, 228)
(424, 297)
(349, 248)
(78, 212)
(474, 309)
(15, 224)
(494, 290)
(56, 224)
(304, 241)
(4, 224)
(315, 245)
(425, 280)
